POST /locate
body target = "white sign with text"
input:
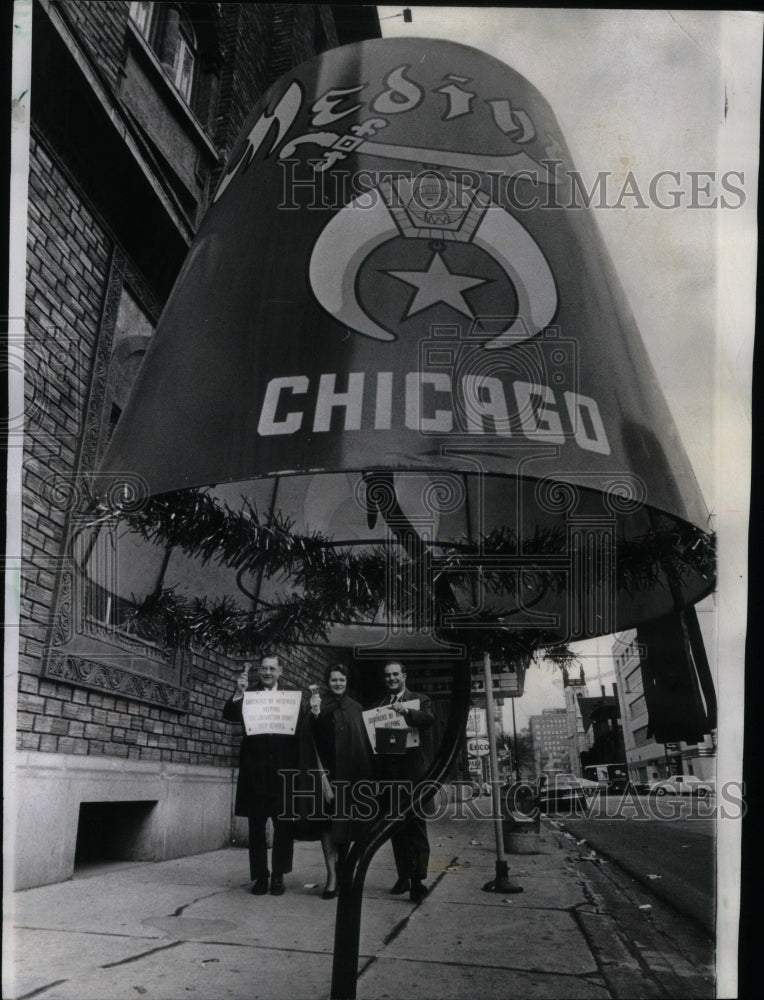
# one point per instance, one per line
(387, 718)
(271, 712)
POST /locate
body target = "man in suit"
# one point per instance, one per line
(411, 847)
(260, 790)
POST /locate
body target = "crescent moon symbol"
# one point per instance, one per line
(357, 229)
(337, 256)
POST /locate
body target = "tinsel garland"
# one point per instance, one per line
(333, 584)
(223, 625)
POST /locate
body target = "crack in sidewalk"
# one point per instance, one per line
(109, 965)
(398, 928)
(69, 930)
(41, 989)
(192, 902)
(143, 954)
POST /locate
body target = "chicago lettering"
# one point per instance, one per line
(426, 402)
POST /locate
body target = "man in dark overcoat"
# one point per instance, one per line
(411, 846)
(260, 789)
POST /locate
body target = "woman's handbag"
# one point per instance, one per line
(326, 785)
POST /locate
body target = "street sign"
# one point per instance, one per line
(478, 747)
(508, 678)
(435, 680)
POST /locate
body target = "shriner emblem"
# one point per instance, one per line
(413, 253)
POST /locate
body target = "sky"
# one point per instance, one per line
(646, 91)
(638, 91)
(544, 687)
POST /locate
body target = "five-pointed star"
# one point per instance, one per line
(438, 284)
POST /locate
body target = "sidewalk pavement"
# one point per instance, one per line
(190, 928)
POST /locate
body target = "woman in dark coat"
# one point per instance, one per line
(344, 753)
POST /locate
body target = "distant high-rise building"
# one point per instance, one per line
(549, 736)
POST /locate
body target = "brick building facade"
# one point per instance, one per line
(135, 107)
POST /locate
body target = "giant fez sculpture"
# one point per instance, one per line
(391, 291)
(391, 278)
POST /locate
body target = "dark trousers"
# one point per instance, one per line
(411, 848)
(283, 847)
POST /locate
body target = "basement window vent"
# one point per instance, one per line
(110, 832)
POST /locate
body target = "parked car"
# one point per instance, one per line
(585, 784)
(590, 787)
(611, 778)
(681, 784)
(564, 792)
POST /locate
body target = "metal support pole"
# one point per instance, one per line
(502, 882)
(352, 872)
(493, 758)
(514, 737)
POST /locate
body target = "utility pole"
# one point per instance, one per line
(514, 737)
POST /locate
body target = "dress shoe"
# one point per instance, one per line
(401, 886)
(277, 885)
(418, 891)
(260, 888)
(329, 894)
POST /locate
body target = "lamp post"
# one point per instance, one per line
(502, 881)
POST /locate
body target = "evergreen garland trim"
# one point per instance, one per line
(333, 584)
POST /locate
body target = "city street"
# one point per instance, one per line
(667, 845)
(676, 952)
